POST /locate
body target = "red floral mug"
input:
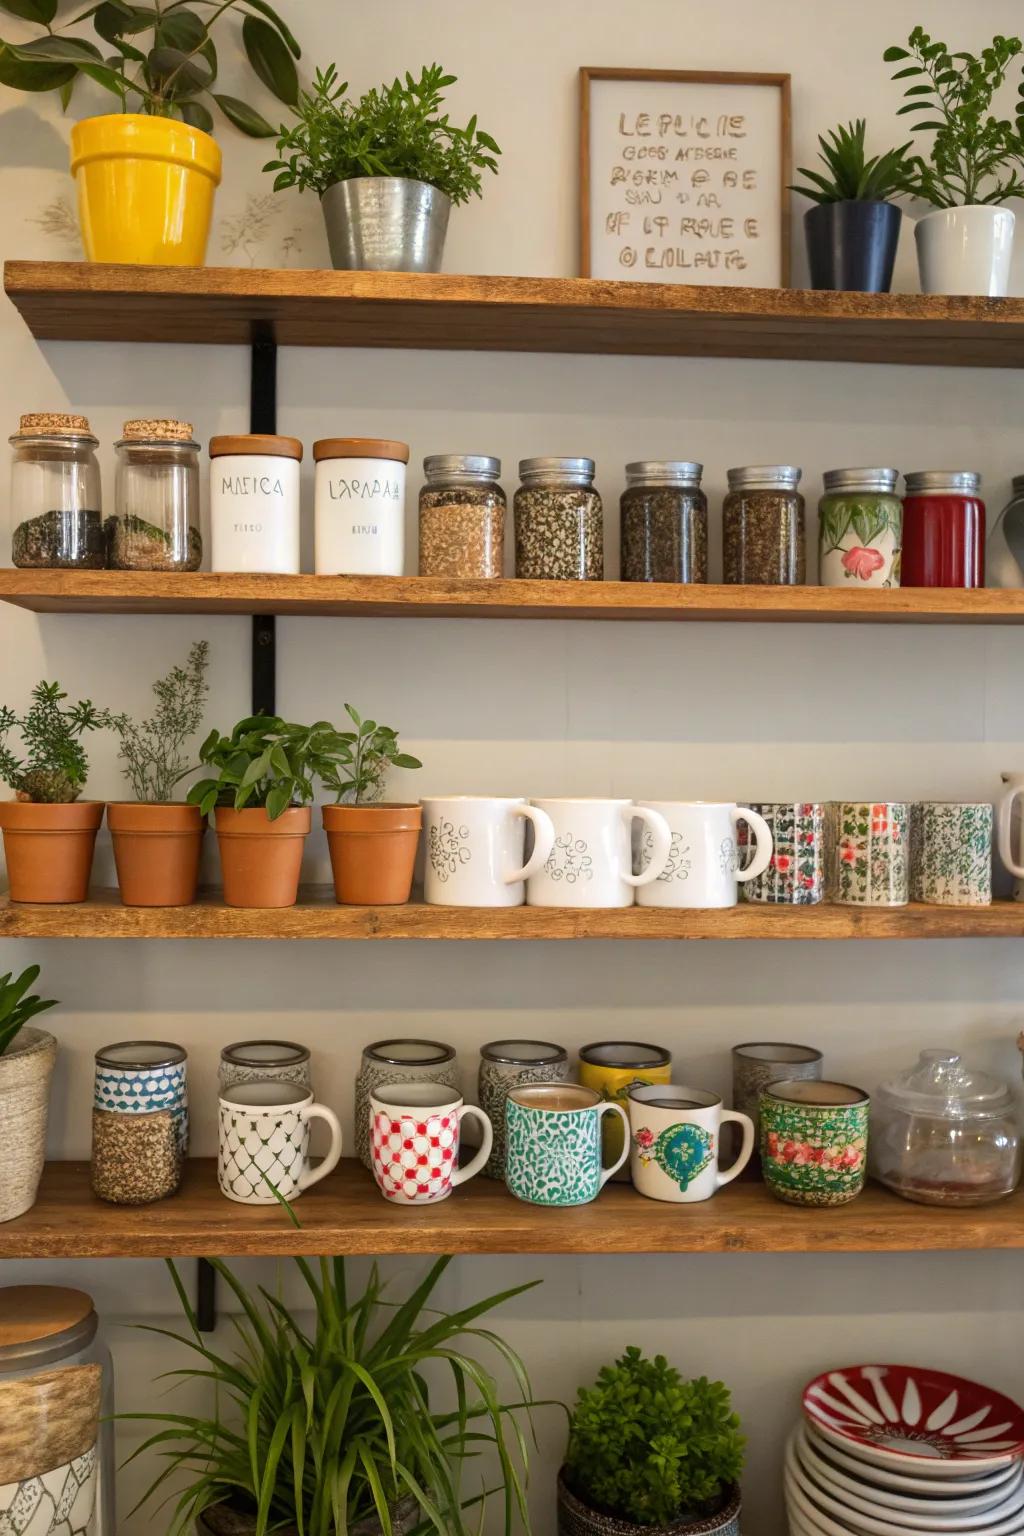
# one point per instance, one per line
(414, 1142)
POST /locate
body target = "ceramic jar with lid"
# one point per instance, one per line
(943, 529)
(942, 1134)
(56, 507)
(559, 521)
(360, 506)
(398, 1061)
(462, 516)
(254, 503)
(763, 541)
(264, 1061)
(860, 529)
(155, 526)
(140, 1122)
(509, 1064)
(664, 522)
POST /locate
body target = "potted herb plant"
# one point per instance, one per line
(974, 165)
(328, 1428)
(157, 840)
(372, 845)
(27, 1056)
(146, 174)
(651, 1452)
(49, 834)
(387, 168)
(853, 229)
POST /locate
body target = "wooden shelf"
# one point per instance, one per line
(438, 598)
(346, 1214)
(83, 301)
(318, 916)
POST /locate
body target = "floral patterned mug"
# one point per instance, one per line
(814, 1141)
(795, 875)
(868, 846)
(675, 1135)
(951, 853)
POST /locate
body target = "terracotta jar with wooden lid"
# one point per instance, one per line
(155, 525)
(254, 503)
(360, 506)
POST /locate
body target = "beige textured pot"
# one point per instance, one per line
(25, 1071)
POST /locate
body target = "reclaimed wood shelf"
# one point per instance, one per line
(346, 1214)
(94, 301)
(318, 916)
(428, 597)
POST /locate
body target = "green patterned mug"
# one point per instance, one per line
(814, 1141)
(553, 1143)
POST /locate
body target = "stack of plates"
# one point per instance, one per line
(889, 1450)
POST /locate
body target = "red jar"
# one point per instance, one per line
(943, 529)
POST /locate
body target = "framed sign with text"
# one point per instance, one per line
(683, 177)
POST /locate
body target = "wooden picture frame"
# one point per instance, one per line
(707, 264)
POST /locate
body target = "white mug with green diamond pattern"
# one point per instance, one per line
(264, 1142)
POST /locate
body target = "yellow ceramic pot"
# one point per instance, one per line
(613, 1068)
(145, 188)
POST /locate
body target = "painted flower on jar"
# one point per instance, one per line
(862, 563)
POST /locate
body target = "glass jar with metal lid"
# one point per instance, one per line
(56, 507)
(559, 521)
(860, 529)
(462, 516)
(763, 527)
(943, 529)
(942, 1134)
(155, 526)
(664, 522)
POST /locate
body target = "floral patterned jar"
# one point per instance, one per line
(943, 529)
(559, 521)
(398, 1061)
(508, 1064)
(763, 540)
(860, 529)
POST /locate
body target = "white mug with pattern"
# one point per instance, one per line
(415, 1130)
(263, 1146)
(476, 850)
(703, 867)
(590, 863)
(867, 848)
(675, 1137)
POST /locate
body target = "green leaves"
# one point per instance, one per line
(55, 767)
(244, 117)
(41, 11)
(15, 1008)
(853, 176)
(271, 58)
(153, 752)
(360, 759)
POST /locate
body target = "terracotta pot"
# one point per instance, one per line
(156, 850)
(373, 850)
(577, 1519)
(260, 859)
(25, 1071)
(49, 848)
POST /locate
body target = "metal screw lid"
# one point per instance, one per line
(919, 480)
(442, 467)
(561, 471)
(764, 477)
(664, 472)
(883, 480)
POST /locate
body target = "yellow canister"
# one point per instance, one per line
(613, 1067)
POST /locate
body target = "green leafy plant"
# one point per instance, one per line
(393, 130)
(647, 1446)
(333, 1424)
(264, 762)
(160, 59)
(975, 157)
(55, 768)
(356, 775)
(852, 176)
(15, 1008)
(153, 752)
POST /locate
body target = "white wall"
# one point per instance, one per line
(758, 712)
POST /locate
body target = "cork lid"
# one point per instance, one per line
(158, 429)
(256, 442)
(360, 448)
(29, 1313)
(41, 423)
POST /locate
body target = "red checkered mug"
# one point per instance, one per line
(414, 1142)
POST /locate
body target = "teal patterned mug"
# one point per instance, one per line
(553, 1143)
(814, 1141)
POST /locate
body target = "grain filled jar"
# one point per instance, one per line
(559, 521)
(664, 522)
(140, 1121)
(943, 529)
(763, 527)
(860, 529)
(56, 509)
(254, 503)
(360, 506)
(155, 526)
(462, 516)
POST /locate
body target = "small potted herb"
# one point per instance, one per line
(387, 168)
(974, 165)
(853, 229)
(49, 834)
(372, 845)
(27, 1056)
(157, 840)
(650, 1452)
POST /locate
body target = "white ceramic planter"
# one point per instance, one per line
(25, 1071)
(965, 250)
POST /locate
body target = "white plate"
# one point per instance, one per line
(903, 1482)
(922, 1466)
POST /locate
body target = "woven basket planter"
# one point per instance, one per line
(578, 1519)
(25, 1071)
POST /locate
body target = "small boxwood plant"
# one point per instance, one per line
(264, 762)
(153, 752)
(357, 772)
(16, 1008)
(55, 767)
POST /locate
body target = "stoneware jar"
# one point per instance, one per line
(577, 1519)
(559, 521)
(26, 1068)
(140, 1121)
(462, 516)
(664, 522)
(814, 1141)
(553, 1143)
(254, 503)
(415, 1131)
(868, 845)
(763, 526)
(675, 1137)
(360, 506)
(860, 529)
(263, 1142)
(760, 1062)
(614, 1067)
(951, 853)
(795, 874)
(508, 1064)
(398, 1061)
(257, 1061)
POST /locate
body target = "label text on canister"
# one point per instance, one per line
(251, 485)
(254, 513)
(360, 517)
(365, 490)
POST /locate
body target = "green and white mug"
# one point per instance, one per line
(814, 1141)
(676, 1134)
(951, 853)
(868, 844)
(553, 1143)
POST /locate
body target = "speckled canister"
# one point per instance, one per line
(951, 853)
(398, 1061)
(140, 1124)
(760, 1062)
(559, 521)
(508, 1064)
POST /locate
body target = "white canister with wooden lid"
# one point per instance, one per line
(254, 503)
(360, 506)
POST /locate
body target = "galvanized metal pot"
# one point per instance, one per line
(386, 224)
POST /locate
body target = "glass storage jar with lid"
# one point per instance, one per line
(860, 529)
(155, 526)
(462, 516)
(942, 1134)
(943, 529)
(56, 509)
(559, 521)
(763, 526)
(664, 522)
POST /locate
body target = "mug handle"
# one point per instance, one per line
(612, 1108)
(543, 842)
(764, 843)
(308, 1175)
(474, 1165)
(662, 842)
(1004, 830)
(746, 1150)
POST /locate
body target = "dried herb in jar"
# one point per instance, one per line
(664, 522)
(559, 521)
(763, 540)
(462, 516)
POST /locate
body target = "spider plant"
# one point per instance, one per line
(333, 1425)
(15, 1008)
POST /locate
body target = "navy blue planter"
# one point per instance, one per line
(851, 246)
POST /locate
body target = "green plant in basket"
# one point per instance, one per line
(55, 767)
(852, 175)
(357, 771)
(16, 1008)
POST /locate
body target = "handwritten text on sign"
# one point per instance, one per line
(685, 182)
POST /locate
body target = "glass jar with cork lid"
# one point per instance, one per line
(559, 521)
(763, 527)
(462, 516)
(56, 507)
(155, 526)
